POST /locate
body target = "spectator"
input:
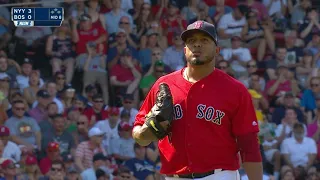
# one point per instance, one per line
(92, 8)
(85, 34)
(143, 20)
(125, 173)
(125, 77)
(86, 150)
(125, 116)
(46, 124)
(5, 34)
(132, 39)
(299, 12)
(231, 24)
(173, 56)
(31, 169)
(95, 70)
(121, 148)
(217, 11)
(8, 169)
(141, 167)
(60, 135)
(52, 154)
(98, 161)
(308, 100)
(97, 112)
(128, 105)
(67, 96)
(237, 56)
(30, 91)
(10, 149)
(81, 134)
(156, 71)
(24, 79)
(8, 66)
(257, 36)
(156, 56)
(39, 113)
(23, 130)
(310, 25)
(109, 126)
(60, 80)
(112, 18)
(299, 150)
(173, 22)
(56, 172)
(90, 91)
(304, 68)
(258, 7)
(72, 173)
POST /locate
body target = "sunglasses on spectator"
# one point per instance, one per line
(123, 22)
(156, 54)
(98, 101)
(128, 102)
(19, 108)
(80, 123)
(251, 65)
(252, 16)
(125, 177)
(60, 78)
(56, 169)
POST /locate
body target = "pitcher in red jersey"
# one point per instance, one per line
(214, 117)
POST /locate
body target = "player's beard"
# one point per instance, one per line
(196, 61)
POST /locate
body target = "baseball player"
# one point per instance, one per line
(201, 116)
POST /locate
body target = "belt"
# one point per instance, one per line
(195, 175)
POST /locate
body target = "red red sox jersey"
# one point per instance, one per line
(209, 114)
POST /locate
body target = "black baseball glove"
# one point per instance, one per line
(161, 111)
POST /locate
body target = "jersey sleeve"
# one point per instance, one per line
(244, 120)
(146, 106)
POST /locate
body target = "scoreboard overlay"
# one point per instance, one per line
(38, 16)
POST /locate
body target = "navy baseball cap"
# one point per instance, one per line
(43, 94)
(201, 26)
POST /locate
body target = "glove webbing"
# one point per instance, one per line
(156, 127)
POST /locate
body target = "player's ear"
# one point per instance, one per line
(218, 50)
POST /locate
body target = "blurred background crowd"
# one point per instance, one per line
(69, 95)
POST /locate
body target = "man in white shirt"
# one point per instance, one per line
(11, 150)
(237, 56)
(23, 78)
(299, 150)
(109, 126)
(127, 103)
(231, 24)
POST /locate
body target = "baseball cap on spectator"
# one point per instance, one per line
(90, 88)
(126, 52)
(236, 38)
(4, 76)
(67, 157)
(308, 52)
(95, 132)
(99, 156)
(31, 160)
(85, 17)
(53, 147)
(4, 131)
(97, 96)
(124, 126)
(128, 97)
(114, 111)
(254, 94)
(43, 94)
(201, 26)
(72, 169)
(6, 163)
(121, 31)
(125, 113)
(288, 94)
(68, 87)
(14, 85)
(173, 3)
(101, 173)
(243, 9)
(151, 32)
(27, 61)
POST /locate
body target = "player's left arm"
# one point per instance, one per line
(245, 127)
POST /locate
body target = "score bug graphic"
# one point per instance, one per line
(27, 17)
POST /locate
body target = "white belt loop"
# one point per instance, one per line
(217, 170)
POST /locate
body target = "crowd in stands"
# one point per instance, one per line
(69, 95)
